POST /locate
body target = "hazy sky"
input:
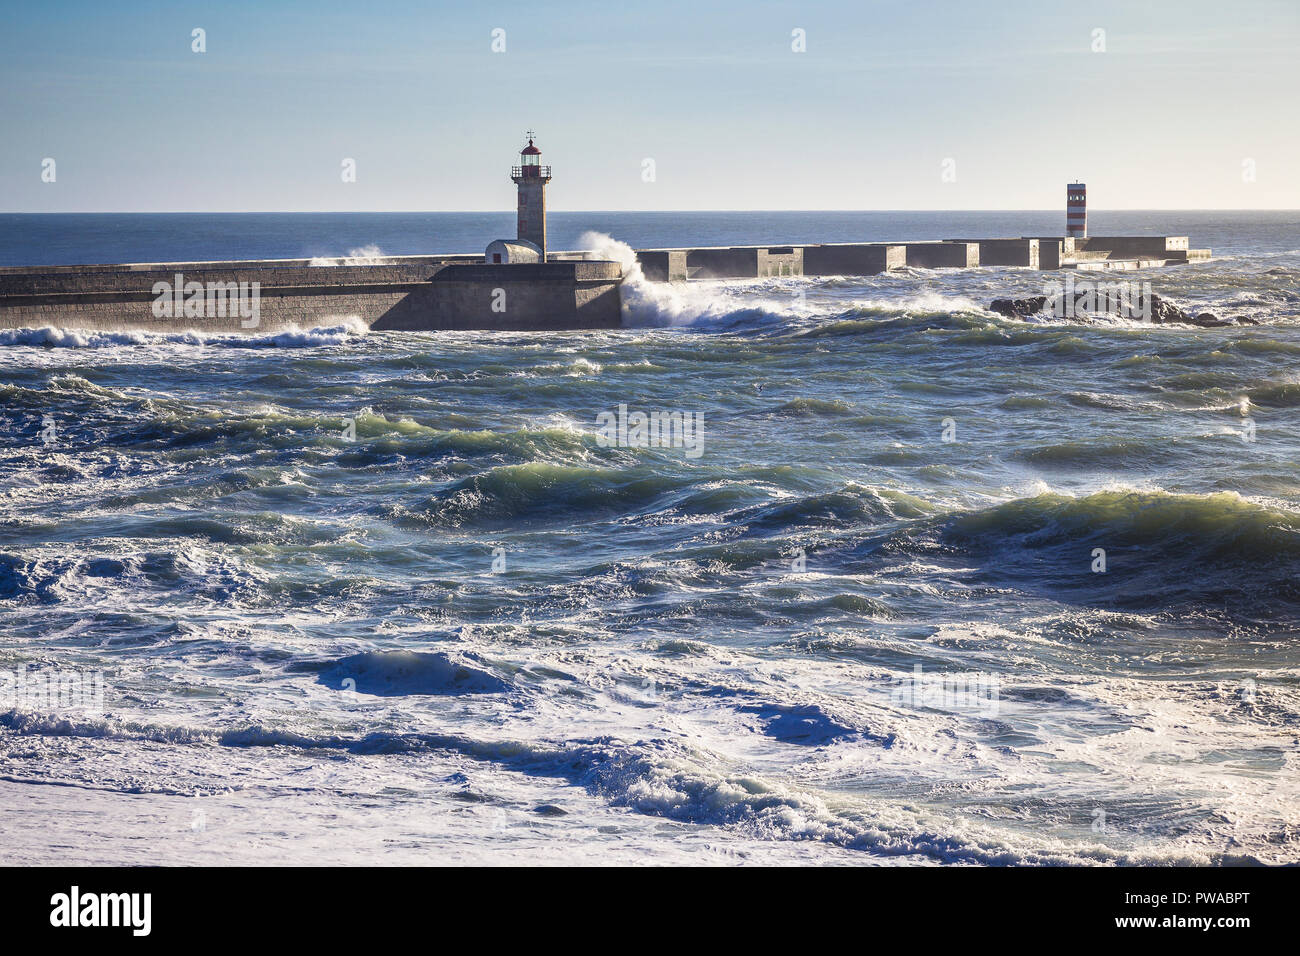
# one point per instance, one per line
(1186, 101)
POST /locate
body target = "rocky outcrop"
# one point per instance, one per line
(1019, 308)
(1163, 312)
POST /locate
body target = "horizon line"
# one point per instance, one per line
(505, 212)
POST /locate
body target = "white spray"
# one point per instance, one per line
(647, 303)
(370, 255)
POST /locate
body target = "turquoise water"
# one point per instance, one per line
(405, 572)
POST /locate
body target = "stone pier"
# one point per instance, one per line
(872, 258)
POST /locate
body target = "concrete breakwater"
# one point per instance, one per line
(465, 292)
(1055, 252)
(393, 293)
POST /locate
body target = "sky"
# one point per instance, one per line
(648, 106)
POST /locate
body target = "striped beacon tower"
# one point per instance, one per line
(1076, 209)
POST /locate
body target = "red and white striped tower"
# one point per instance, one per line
(1076, 209)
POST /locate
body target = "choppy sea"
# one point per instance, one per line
(926, 585)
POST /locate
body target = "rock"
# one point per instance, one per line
(1163, 312)
(1019, 308)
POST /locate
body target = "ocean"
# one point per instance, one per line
(903, 582)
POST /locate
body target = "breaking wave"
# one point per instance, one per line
(292, 337)
(405, 673)
(370, 255)
(670, 780)
(1156, 550)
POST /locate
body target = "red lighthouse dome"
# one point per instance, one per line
(530, 163)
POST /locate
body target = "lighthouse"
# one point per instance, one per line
(531, 177)
(1076, 210)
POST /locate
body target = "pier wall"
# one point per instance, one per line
(521, 297)
(1118, 265)
(871, 258)
(852, 259)
(1132, 247)
(727, 262)
(1053, 250)
(415, 293)
(943, 255)
(1006, 252)
(780, 261)
(722, 263)
(663, 265)
(462, 292)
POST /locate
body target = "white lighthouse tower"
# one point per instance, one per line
(532, 177)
